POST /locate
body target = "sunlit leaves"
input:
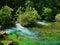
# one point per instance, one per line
(57, 17)
(5, 15)
(28, 16)
(47, 13)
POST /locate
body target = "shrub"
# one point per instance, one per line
(5, 15)
(47, 13)
(27, 16)
(57, 17)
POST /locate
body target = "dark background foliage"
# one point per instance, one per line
(39, 5)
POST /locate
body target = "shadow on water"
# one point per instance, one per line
(6, 26)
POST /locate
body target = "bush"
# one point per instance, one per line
(27, 16)
(57, 17)
(47, 13)
(5, 15)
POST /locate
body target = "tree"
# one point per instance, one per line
(47, 13)
(5, 15)
(30, 15)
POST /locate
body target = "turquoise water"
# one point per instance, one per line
(21, 30)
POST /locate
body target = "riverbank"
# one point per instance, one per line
(46, 35)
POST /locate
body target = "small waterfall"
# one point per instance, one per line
(21, 30)
(24, 30)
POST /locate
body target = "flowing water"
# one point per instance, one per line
(45, 39)
(42, 23)
(21, 30)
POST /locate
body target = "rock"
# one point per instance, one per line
(3, 35)
(12, 43)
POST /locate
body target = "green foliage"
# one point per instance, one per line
(22, 40)
(37, 4)
(5, 15)
(47, 13)
(30, 15)
(29, 3)
(57, 17)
